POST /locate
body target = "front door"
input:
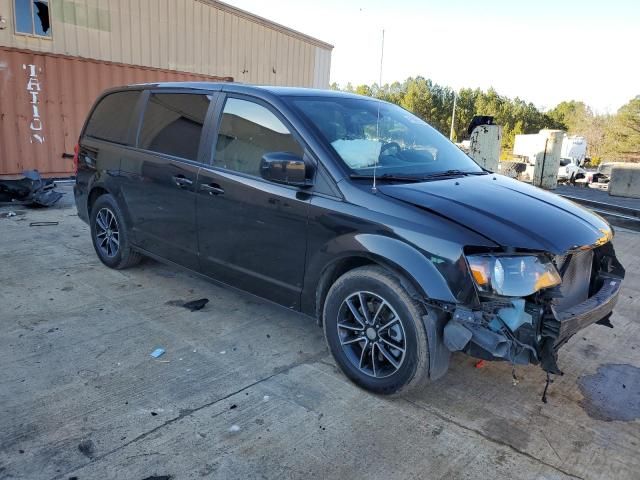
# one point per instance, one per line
(252, 233)
(159, 177)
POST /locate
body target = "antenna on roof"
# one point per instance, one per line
(375, 164)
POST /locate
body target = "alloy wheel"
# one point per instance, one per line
(371, 334)
(107, 233)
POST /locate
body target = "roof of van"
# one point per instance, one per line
(275, 90)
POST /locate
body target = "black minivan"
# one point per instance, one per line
(350, 210)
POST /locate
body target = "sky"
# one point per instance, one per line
(542, 51)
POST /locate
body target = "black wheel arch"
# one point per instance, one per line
(94, 193)
(418, 275)
(344, 264)
(99, 188)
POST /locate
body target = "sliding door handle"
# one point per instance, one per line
(212, 189)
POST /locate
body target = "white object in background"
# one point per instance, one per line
(484, 146)
(529, 146)
(575, 148)
(545, 172)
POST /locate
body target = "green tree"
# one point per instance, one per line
(364, 90)
(417, 98)
(573, 116)
(622, 134)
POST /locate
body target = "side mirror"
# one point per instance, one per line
(284, 167)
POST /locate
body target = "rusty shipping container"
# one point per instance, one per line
(44, 100)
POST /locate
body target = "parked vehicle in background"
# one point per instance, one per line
(350, 210)
(573, 151)
(571, 171)
(603, 173)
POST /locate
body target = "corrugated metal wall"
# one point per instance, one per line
(49, 84)
(199, 36)
(45, 98)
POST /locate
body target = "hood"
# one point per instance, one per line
(506, 211)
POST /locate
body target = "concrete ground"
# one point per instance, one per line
(248, 390)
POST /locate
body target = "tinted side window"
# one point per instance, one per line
(173, 123)
(247, 132)
(111, 118)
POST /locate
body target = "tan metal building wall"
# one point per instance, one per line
(45, 98)
(47, 85)
(198, 36)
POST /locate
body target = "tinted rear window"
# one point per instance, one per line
(173, 124)
(111, 118)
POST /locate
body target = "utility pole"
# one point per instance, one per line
(453, 115)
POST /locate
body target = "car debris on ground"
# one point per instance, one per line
(31, 190)
(193, 305)
(43, 224)
(158, 352)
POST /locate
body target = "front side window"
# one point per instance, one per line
(368, 134)
(112, 117)
(564, 162)
(32, 17)
(247, 132)
(173, 123)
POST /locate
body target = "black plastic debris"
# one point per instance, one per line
(193, 305)
(32, 190)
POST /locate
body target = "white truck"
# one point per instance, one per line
(572, 154)
(572, 157)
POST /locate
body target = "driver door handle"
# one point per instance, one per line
(212, 189)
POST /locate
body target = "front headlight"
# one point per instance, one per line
(512, 275)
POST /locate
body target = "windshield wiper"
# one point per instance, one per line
(421, 178)
(386, 176)
(453, 173)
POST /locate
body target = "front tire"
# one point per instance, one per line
(375, 332)
(109, 234)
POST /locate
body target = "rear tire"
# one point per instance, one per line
(375, 331)
(109, 234)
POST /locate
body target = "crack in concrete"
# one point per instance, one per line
(492, 440)
(187, 412)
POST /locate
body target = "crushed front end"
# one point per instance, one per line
(532, 304)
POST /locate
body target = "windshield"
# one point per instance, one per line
(605, 168)
(367, 133)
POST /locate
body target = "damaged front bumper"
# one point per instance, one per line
(593, 310)
(532, 329)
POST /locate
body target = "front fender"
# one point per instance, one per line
(392, 253)
(400, 255)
